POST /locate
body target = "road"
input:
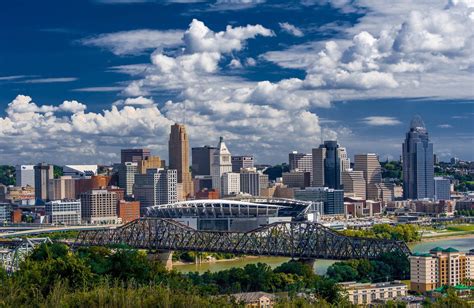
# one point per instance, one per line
(55, 229)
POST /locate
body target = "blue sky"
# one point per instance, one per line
(81, 79)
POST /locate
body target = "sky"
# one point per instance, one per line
(79, 80)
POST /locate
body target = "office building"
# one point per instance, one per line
(62, 188)
(201, 182)
(157, 186)
(134, 155)
(3, 193)
(202, 160)
(297, 179)
(372, 171)
(221, 163)
(357, 207)
(440, 267)
(418, 166)
(94, 182)
(230, 184)
(150, 162)
(179, 159)
(241, 162)
(300, 162)
(65, 211)
(43, 173)
(207, 194)
(329, 161)
(442, 188)
(5, 212)
(80, 171)
(99, 206)
(128, 210)
(126, 174)
(333, 198)
(25, 175)
(252, 182)
(354, 183)
(382, 192)
(374, 293)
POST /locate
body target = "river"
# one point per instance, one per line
(321, 266)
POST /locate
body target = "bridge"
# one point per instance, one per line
(26, 231)
(303, 240)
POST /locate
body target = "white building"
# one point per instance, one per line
(230, 184)
(63, 212)
(80, 171)
(157, 186)
(5, 212)
(25, 175)
(252, 182)
(221, 163)
(126, 174)
(367, 293)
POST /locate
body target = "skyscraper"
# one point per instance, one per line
(252, 182)
(179, 158)
(370, 166)
(329, 161)
(157, 186)
(418, 165)
(301, 162)
(43, 173)
(126, 174)
(202, 160)
(354, 183)
(221, 164)
(134, 155)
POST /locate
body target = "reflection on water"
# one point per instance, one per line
(321, 266)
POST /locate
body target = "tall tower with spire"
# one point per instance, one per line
(179, 158)
(221, 164)
(418, 162)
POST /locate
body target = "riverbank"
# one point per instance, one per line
(211, 261)
(450, 236)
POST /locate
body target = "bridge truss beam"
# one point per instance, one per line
(290, 239)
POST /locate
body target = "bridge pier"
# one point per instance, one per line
(307, 261)
(165, 257)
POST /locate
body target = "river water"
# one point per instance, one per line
(321, 266)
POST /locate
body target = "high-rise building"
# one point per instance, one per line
(202, 160)
(94, 182)
(300, 162)
(63, 211)
(43, 173)
(329, 161)
(80, 171)
(179, 158)
(62, 188)
(99, 206)
(440, 267)
(134, 155)
(442, 187)
(354, 183)
(5, 212)
(252, 182)
(151, 162)
(418, 166)
(333, 198)
(241, 162)
(126, 176)
(230, 184)
(221, 163)
(25, 175)
(370, 166)
(157, 186)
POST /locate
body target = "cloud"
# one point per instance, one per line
(50, 80)
(381, 121)
(136, 101)
(445, 126)
(72, 106)
(13, 77)
(291, 29)
(199, 38)
(135, 41)
(98, 89)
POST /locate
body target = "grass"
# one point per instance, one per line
(463, 228)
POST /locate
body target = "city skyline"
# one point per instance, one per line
(119, 73)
